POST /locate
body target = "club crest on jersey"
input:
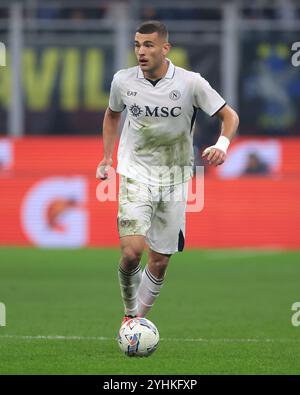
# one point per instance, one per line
(135, 110)
(174, 95)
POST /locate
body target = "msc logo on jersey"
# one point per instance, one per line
(157, 111)
(135, 110)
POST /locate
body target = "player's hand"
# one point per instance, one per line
(103, 168)
(214, 156)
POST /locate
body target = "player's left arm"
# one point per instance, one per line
(216, 154)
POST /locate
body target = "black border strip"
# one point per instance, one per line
(118, 111)
(219, 109)
(152, 278)
(130, 273)
(193, 118)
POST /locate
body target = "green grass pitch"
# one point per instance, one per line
(219, 312)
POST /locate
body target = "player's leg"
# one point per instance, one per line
(152, 281)
(134, 219)
(130, 272)
(165, 237)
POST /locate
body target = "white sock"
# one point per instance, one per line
(148, 291)
(129, 283)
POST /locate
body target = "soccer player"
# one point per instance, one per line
(155, 159)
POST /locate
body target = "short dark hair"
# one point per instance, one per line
(149, 27)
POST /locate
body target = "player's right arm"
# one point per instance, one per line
(111, 125)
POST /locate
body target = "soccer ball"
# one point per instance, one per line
(138, 337)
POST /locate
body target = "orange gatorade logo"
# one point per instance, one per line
(54, 214)
(56, 210)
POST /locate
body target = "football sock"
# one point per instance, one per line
(148, 291)
(129, 283)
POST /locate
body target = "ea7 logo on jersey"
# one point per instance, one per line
(130, 93)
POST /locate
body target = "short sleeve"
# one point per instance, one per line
(115, 98)
(205, 97)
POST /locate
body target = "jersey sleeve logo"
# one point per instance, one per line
(131, 93)
(175, 95)
(135, 110)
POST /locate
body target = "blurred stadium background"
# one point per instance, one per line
(61, 56)
(60, 59)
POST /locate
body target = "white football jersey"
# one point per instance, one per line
(156, 144)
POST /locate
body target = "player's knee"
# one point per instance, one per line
(159, 266)
(130, 258)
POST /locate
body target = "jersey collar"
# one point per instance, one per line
(169, 74)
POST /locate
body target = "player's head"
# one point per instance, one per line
(151, 45)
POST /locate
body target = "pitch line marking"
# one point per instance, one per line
(102, 338)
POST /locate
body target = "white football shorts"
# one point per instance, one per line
(158, 213)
